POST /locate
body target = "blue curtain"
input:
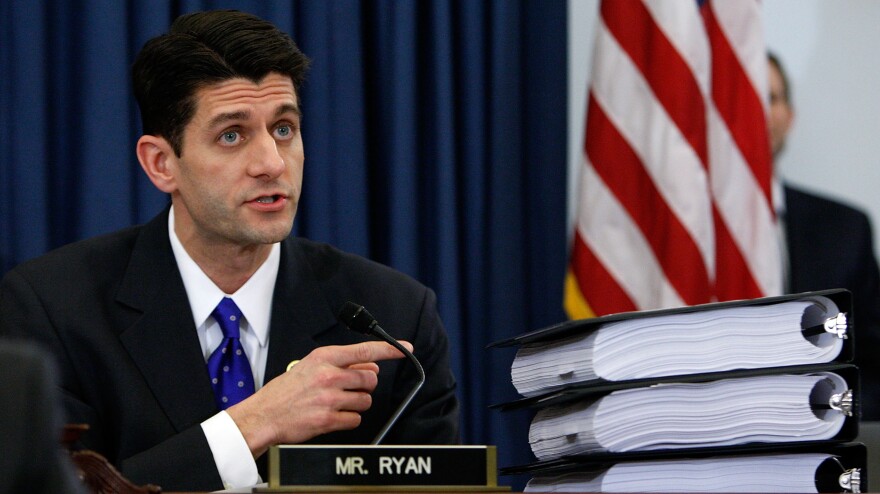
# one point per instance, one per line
(435, 137)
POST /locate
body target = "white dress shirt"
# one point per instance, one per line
(231, 454)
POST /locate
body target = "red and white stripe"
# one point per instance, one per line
(675, 204)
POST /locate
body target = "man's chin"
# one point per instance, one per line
(269, 234)
(273, 237)
(777, 150)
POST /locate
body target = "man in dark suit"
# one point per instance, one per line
(138, 319)
(829, 245)
(30, 424)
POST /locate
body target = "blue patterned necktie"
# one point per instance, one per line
(230, 371)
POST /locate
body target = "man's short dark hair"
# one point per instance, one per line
(201, 49)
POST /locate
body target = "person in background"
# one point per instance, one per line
(33, 458)
(174, 338)
(827, 244)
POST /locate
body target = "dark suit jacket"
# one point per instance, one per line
(114, 312)
(830, 245)
(33, 459)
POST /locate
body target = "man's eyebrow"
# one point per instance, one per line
(288, 108)
(244, 115)
(226, 117)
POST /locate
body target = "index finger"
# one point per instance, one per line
(367, 351)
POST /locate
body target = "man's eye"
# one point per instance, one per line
(229, 137)
(284, 131)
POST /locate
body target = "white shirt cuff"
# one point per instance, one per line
(231, 453)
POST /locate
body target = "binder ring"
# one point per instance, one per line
(835, 325)
(842, 402)
(849, 480)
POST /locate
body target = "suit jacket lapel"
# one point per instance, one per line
(300, 311)
(163, 342)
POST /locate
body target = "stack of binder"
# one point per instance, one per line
(746, 396)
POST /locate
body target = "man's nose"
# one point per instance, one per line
(267, 160)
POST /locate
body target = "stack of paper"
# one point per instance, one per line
(758, 473)
(771, 408)
(621, 396)
(683, 343)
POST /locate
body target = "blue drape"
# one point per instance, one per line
(435, 137)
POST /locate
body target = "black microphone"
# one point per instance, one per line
(358, 319)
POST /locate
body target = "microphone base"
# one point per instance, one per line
(389, 468)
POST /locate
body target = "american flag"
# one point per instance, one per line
(675, 189)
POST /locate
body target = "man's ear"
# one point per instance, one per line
(158, 161)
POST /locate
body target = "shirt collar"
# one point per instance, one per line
(254, 298)
(778, 194)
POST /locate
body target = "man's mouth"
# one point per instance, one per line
(268, 199)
